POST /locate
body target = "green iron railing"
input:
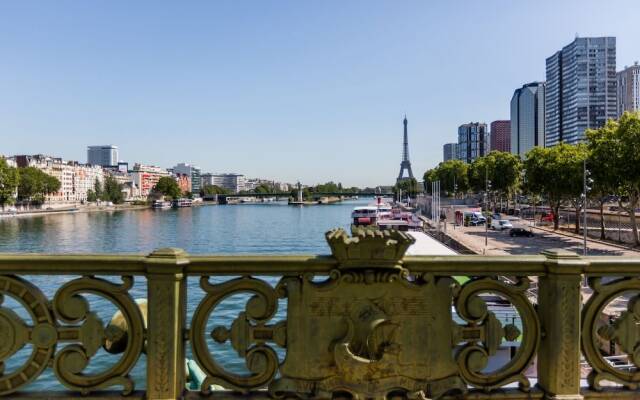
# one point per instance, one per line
(365, 322)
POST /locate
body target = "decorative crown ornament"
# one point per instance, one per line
(369, 247)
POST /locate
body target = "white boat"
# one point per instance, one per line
(181, 203)
(161, 205)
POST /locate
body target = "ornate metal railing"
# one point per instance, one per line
(366, 322)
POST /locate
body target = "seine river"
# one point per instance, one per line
(273, 228)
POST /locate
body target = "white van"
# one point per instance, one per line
(501, 224)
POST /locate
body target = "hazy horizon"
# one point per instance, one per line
(292, 91)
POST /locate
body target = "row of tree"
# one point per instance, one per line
(28, 184)
(610, 156)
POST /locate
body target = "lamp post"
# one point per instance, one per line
(586, 181)
(487, 186)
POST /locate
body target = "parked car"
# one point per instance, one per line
(520, 232)
(501, 224)
(496, 216)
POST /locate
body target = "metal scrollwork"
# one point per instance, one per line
(15, 333)
(72, 308)
(624, 331)
(248, 334)
(484, 333)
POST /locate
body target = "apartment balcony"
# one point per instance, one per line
(365, 322)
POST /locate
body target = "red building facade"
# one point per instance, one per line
(501, 136)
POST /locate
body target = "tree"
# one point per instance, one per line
(453, 176)
(35, 184)
(113, 190)
(557, 172)
(628, 164)
(408, 186)
(577, 199)
(602, 148)
(429, 177)
(9, 181)
(507, 173)
(168, 187)
(91, 196)
(623, 148)
(98, 190)
(210, 190)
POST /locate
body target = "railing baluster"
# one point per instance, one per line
(166, 285)
(559, 304)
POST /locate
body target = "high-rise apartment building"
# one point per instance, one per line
(472, 141)
(105, 156)
(580, 89)
(500, 136)
(629, 89)
(450, 151)
(192, 171)
(527, 118)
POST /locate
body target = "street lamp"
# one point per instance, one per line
(487, 187)
(586, 182)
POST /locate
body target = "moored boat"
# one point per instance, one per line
(180, 203)
(160, 205)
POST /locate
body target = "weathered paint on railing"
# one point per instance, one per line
(366, 322)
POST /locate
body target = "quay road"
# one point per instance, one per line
(500, 243)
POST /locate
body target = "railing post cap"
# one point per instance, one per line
(168, 252)
(564, 262)
(557, 254)
(167, 260)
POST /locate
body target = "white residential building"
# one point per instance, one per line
(232, 182)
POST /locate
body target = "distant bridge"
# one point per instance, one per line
(222, 198)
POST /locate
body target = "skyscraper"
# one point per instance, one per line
(500, 136)
(472, 141)
(527, 118)
(105, 156)
(629, 89)
(581, 89)
(450, 151)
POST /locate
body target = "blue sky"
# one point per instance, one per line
(289, 90)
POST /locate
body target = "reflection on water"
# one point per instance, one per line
(259, 229)
(272, 228)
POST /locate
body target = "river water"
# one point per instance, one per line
(273, 228)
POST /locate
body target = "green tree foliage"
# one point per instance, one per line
(409, 186)
(168, 187)
(605, 181)
(98, 190)
(210, 190)
(9, 181)
(453, 176)
(618, 145)
(502, 170)
(557, 172)
(91, 196)
(428, 178)
(112, 190)
(35, 184)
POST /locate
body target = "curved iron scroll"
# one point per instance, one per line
(71, 307)
(623, 331)
(15, 333)
(473, 357)
(81, 327)
(248, 334)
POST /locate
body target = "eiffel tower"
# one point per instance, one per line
(405, 164)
